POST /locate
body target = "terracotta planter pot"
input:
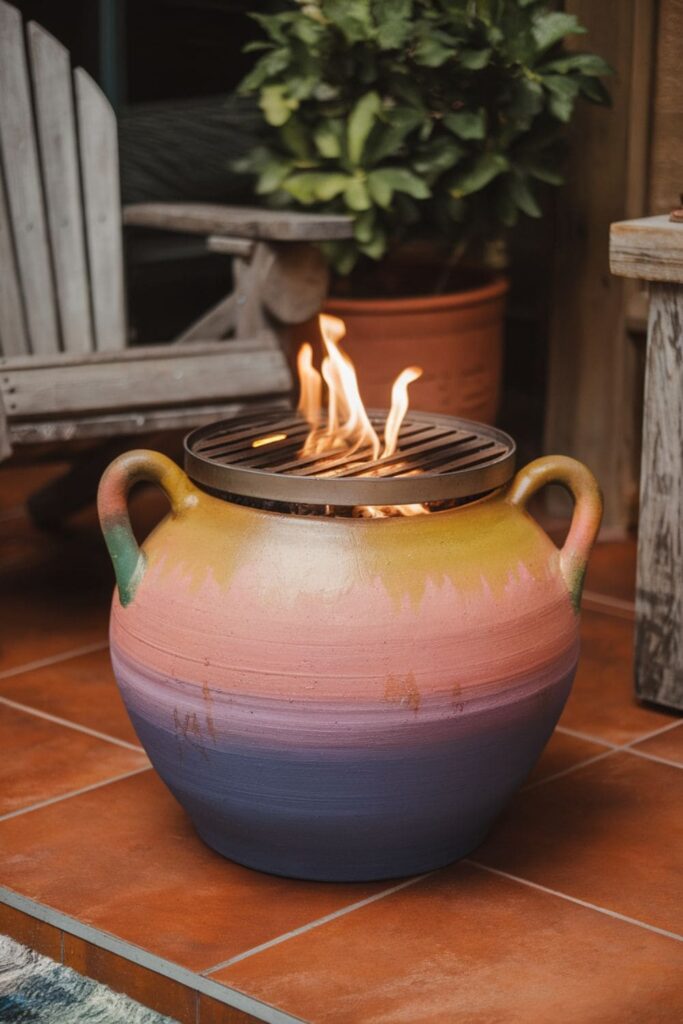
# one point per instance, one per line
(457, 339)
(339, 698)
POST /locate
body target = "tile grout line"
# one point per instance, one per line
(593, 601)
(653, 757)
(656, 732)
(74, 792)
(567, 771)
(586, 736)
(137, 955)
(68, 724)
(575, 899)
(54, 659)
(311, 925)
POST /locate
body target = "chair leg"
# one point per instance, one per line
(75, 489)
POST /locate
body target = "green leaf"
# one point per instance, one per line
(393, 20)
(526, 102)
(356, 194)
(311, 187)
(399, 179)
(364, 226)
(361, 120)
(379, 189)
(543, 172)
(551, 28)
(594, 90)
(376, 247)
(296, 139)
(433, 50)
(467, 124)
(270, 65)
(352, 18)
(272, 176)
(587, 63)
(483, 171)
(405, 118)
(276, 106)
(327, 139)
(523, 197)
(563, 91)
(474, 60)
(437, 156)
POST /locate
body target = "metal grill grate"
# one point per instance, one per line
(439, 458)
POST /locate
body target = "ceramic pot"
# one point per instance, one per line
(456, 338)
(338, 698)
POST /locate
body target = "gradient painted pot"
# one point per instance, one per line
(344, 699)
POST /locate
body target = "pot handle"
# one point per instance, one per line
(128, 560)
(582, 485)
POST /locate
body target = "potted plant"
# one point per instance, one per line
(434, 123)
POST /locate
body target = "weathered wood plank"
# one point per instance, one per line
(22, 177)
(227, 246)
(216, 323)
(206, 372)
(56, 127)
(13, 336)
(666, 124)
(38, 432)
(5, 441)
(659, 589)
(649, 248)
(101, 193)
(296, 282)
(591, 409)
(241, 221)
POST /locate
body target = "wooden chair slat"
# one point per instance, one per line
(24, 193)
(155, 376)
(13, 336)
(101, 193)
(56, 127)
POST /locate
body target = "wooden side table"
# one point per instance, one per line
(651, 249)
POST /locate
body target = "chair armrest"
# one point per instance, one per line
(239, 221)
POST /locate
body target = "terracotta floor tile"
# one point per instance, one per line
(211, 1011)
(145, 986)
(125, 858)
(81, 689)
(612, 569)
(55, 588)
(610, 833)
(42, 760)
(19, 481)
(602, 703)
(54, 594)
(30, 932)
(668, 744)
(563, 752)
(465, 947)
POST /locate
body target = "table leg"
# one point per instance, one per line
(659, 591)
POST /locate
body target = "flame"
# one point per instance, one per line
(348, 426)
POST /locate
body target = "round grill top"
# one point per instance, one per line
(439, 458)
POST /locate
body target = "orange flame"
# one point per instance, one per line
(348, 424)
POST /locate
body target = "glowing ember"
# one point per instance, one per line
(348, 427)
(271, 439)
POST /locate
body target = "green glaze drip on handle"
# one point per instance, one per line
(128, 560)
(583, 487)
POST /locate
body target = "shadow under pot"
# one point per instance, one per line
(340, 698)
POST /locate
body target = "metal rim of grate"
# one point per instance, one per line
(439, 459)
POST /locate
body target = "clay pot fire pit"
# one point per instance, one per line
(343, 660)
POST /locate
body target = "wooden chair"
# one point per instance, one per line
(66, 371)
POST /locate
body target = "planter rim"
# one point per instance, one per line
(480, 295)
